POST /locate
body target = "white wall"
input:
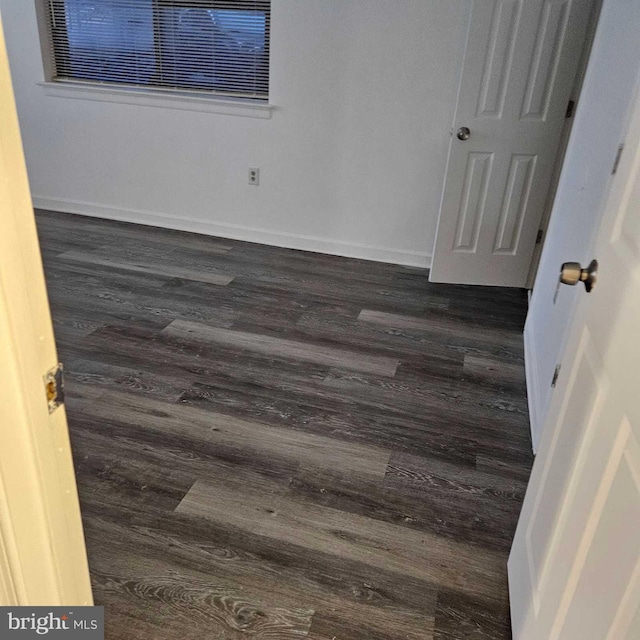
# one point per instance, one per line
(352, 160)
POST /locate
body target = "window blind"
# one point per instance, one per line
(217, 46)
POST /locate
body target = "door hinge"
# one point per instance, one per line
(556, 373)
(616, 162)
(570, 109)
(54, 387)
(539, 236)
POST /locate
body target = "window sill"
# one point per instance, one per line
(163, 99)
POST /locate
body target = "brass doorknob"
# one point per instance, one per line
(571, 273)
(464, 133)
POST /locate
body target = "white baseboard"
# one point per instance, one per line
(237, 232)
(533, 389)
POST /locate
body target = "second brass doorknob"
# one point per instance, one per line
(571, 273)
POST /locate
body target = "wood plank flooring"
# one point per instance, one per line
(276, 444)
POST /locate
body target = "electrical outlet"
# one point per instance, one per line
(254, 176)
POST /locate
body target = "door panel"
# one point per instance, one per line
(515, 203)
(474, 200)
(608, 547)
(499, 58)
(520, 62)
(550, 41)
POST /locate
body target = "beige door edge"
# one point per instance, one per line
(42, 551)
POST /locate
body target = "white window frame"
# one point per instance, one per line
(187, 100)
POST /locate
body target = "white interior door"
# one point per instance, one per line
(574, 569)
(519, 68)
(598, 130)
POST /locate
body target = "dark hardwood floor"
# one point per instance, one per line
(278, 444)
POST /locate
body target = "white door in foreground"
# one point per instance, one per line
(600, 124)
(519, 68)
(574, 569)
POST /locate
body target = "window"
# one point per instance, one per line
(215, 46)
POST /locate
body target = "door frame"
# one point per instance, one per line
(42, 551)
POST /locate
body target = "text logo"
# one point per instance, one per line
(71, 623)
